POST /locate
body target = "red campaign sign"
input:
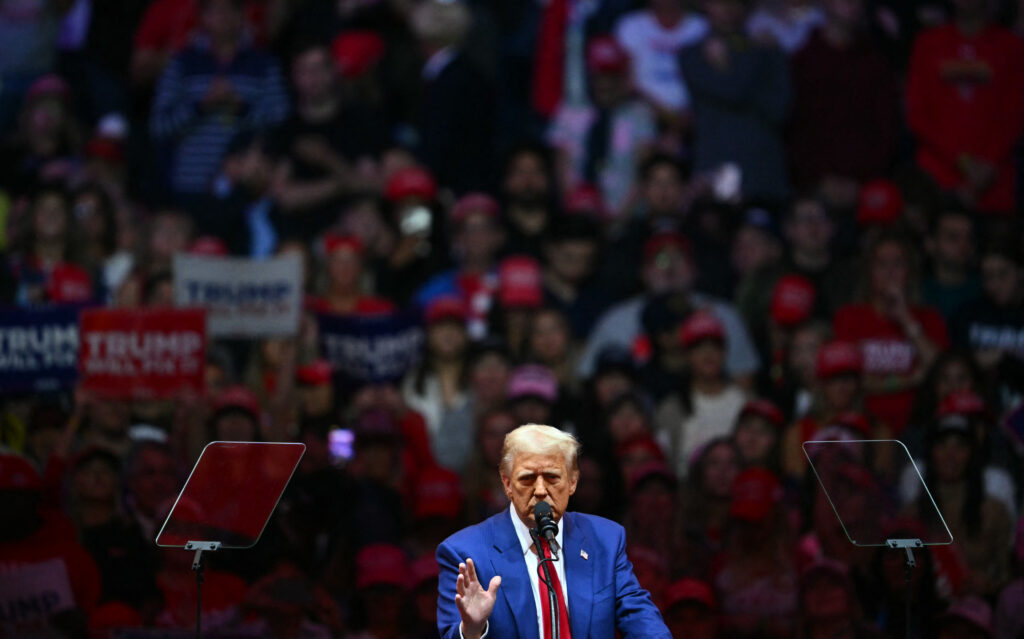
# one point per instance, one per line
(142, 354)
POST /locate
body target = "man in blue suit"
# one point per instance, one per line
(600, 593)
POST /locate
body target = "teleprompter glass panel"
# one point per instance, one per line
(230, 494)
(859, 480)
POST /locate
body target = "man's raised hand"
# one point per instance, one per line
(474, 603)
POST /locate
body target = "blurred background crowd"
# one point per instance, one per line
(694, 233)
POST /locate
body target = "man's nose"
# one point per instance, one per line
(540, 489)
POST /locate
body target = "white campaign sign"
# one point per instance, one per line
(242, 297)
(34, 592)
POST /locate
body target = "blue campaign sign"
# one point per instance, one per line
(39, 348)
(373, 348)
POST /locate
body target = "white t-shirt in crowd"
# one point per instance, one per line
(712, 416)
(654, 49)
(789, 29)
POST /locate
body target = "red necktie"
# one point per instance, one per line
(563, 614)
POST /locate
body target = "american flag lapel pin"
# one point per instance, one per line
(583, 553)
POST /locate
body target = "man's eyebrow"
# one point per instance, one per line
(543, 471)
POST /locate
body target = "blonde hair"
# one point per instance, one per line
(539, 439)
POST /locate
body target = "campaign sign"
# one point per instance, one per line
(34, 592)
(377, 348)
(242, 297)
(38, 348)
(143, 353)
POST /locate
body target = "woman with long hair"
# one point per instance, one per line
(47, 264)
(953, 370)
(485, 495)
(705, 501)
(898, 338)
(838, 396)
(47, 140)
(438, 383)
(955, 472)
(96, 216)
(708, 402)
(755, 575)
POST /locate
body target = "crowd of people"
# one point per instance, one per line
(696, 234)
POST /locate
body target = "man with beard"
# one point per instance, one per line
(526, 190)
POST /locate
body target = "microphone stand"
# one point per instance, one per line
(544, 572)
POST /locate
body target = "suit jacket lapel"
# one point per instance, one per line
(579, 575)
(507, 561)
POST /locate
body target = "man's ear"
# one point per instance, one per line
(573, 480)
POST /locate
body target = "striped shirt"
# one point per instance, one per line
(196, 139)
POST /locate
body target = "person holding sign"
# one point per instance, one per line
(489, 583)
(45, 570)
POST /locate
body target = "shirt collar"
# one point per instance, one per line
(523, 532)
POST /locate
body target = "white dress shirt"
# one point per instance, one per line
(532, 561)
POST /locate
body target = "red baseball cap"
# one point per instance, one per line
(356, 51)
(377, 425)
(963, 403)
(857, 475)
(69, 283)
(336, 242)
(475, 202)
(792, 300)
(604, 55)
(690, 590)
(585, 199)
(446, 307)
(755, 493)
(105, 148)
(17, 473)
(532, 380)
(382, 565)
(766, 409)
(838, 358)
(854, 422)
(315, 373)
(701, 325)
(50, 84)
(237, 397)
(209, 245)
(411, 182)
(519, 282)
(664, 240)
(656, 468)
(644, 442)
(880, 202)
(424, 569)
(438, 493)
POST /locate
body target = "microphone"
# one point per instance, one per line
(547, 526)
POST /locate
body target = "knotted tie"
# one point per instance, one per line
(563, 614)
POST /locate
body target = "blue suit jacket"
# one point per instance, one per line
(604, 594)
